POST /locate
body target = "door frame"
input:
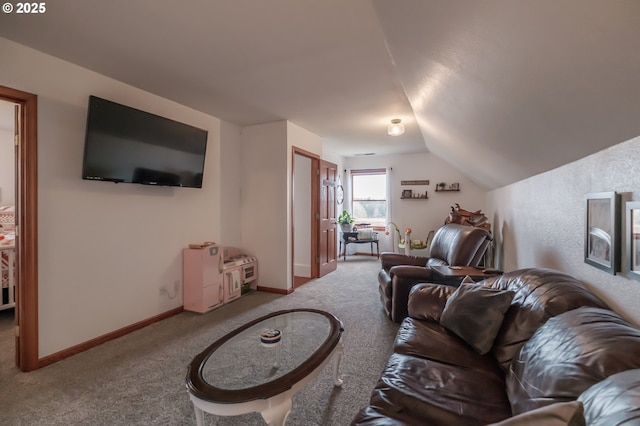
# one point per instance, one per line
(327, 198)
(27, 226)
(315, 199)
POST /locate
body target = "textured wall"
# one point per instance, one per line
(540, 221)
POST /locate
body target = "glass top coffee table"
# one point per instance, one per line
(261, 365)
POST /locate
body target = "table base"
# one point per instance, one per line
(274, 410)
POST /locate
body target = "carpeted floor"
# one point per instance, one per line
(139, 379)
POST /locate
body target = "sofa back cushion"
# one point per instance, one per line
(569, 354)
(434, 261)
(539, 295)
(613, 401)
(455, 244)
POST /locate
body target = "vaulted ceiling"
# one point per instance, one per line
(500, 89)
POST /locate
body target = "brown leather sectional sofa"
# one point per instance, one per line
(453, 244)
(557, 350)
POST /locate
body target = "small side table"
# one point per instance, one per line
(352, 238)
(453, 275)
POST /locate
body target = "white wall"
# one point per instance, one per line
(264, 201)
(420, 215)
(266, 220)
(7, 168)
(230, 193)
(7, 155)
(105, 250)
(540, 221)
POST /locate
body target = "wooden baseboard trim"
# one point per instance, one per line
(299, 281)
(66, 353)
(275, 290)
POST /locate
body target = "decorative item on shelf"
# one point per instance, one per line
(408, 194)
(442, 187)
(415, 182)
(466, 217)
(345, 220)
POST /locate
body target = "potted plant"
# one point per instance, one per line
(345, 220)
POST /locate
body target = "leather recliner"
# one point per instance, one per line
(452, 244)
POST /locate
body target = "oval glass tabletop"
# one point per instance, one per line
(264, 357)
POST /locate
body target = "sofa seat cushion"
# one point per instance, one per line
(613, 401)
(559, 414)
(475, 313)
(373, 416)
(439, 393)
(569, 354)
(430, 340)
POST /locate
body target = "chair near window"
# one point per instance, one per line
(452, 244)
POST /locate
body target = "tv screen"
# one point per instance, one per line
(124, 144)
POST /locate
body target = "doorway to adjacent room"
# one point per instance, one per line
(26, 241)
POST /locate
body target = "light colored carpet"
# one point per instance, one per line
(139, 379)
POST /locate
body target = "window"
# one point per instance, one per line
(369, 196)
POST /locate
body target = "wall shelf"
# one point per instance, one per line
(408, 194)
(444, 187)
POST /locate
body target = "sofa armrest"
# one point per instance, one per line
(412, 272)
(389, 260)
(426, 301)
(403, 278)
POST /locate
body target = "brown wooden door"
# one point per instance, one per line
(327, 238)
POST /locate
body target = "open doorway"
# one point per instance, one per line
(314, 222)
(304, 202)
(26, 227)
(7, 231)
(302, 219)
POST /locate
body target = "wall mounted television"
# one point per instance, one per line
(124, 144)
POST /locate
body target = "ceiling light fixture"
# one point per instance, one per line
(396, 128)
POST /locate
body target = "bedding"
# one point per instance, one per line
(7, 267)
(7, 217)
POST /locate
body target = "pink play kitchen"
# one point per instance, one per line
(215, 275)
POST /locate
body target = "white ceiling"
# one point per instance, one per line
(500, 89)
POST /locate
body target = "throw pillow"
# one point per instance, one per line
(558, 414)
(474, 313)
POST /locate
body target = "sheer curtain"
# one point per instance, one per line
(347, 190)
(389, 242)
(347, 205)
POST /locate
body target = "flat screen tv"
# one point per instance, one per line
(124, 144)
